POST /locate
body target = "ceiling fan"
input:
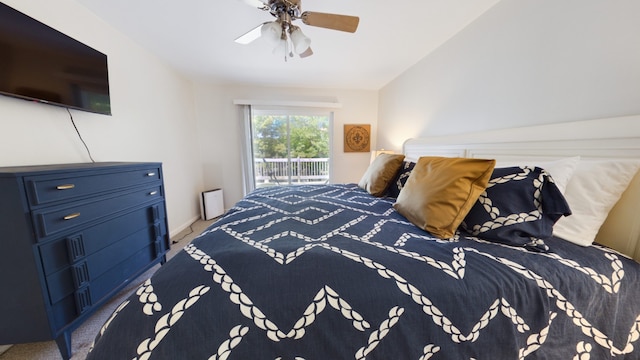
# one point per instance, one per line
(287, 37)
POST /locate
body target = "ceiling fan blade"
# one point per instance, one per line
(250, 36)
(331, 21)
(306, 53)
(255, 3)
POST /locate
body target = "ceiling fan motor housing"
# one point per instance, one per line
(279, 7)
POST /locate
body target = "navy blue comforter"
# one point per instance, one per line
(330, 272)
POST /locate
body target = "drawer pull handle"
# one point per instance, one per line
(153, 193)
(151, 174)
(65, 187)
(72, 216)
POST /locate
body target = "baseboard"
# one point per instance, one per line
(184, 226)
(4, 348)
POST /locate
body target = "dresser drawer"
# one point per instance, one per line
(92, 270)
(60, 253)
(73, 302)
(52, 220)
(45, 189)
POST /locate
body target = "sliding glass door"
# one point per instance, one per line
(290, 147)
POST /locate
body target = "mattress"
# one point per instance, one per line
(331, 272)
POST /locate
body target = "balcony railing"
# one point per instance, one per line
(271, 171)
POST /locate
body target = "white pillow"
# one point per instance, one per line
(560, 170)
(594, 188)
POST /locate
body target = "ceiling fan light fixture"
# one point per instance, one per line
(300, 41)
(282, 49)
(272, 31)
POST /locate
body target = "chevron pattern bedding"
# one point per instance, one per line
(330, 272)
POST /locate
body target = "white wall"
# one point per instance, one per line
(524, 62)
(153, 113)
(220, 132)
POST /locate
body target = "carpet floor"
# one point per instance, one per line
(82, 337)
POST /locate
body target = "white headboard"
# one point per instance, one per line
(602, 138)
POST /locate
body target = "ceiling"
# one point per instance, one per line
(196, 37)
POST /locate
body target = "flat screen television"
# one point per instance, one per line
(39, 63)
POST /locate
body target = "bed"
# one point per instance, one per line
(333, 272)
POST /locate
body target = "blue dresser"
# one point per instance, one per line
(72, 236)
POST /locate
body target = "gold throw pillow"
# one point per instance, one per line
(441, 191)
(381, 173)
